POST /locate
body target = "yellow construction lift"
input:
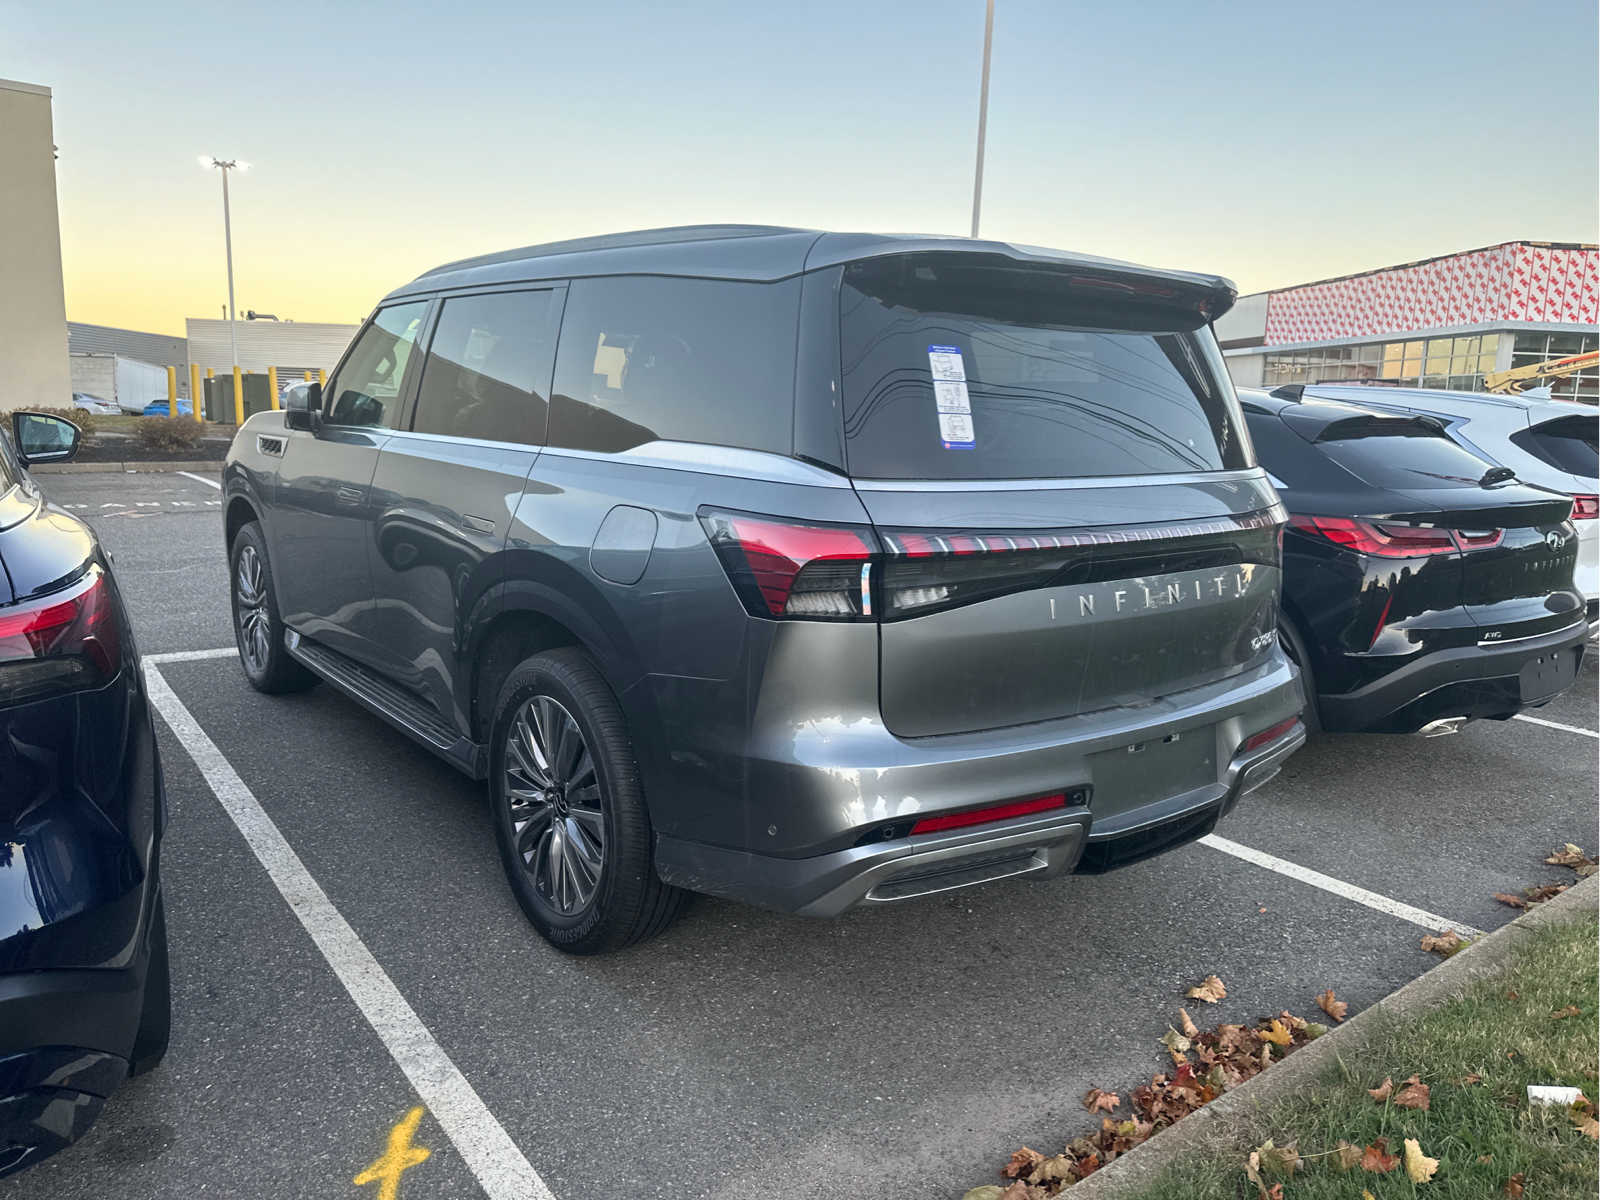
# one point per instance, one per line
(1513, 381)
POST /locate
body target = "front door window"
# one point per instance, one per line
(369, 387)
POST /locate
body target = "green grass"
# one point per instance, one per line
(1501, 1029)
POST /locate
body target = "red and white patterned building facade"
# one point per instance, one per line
(1455, 317)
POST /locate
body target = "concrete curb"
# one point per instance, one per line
(1228, 1115)
(126, 468)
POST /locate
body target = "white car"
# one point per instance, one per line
(1548, 443)
(93, 404)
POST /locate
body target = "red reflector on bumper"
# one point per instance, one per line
(1257, 740)
(982, 816)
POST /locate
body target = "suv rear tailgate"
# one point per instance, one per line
(1104, 610)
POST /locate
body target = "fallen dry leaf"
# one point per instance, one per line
(1019, 1191)
(1419, 1167)
(1186, 1025)
(1513, 1186)
(1469, 1080)
(1346, 1156)
(1277, 1033)
(1176, 1044)
(1574, 857)
(1381, 1092)
(1278, 1161)
(1022, 1161)
(1413, 1095)
(1366, 1195)
(1545, 891)
(1211, 990)
(1561, 1014)
(1060, 1167)
(1583, 1116)
(1513, 901)
(1446, 942)
(1097, 1101)
(1334, 1008)
(1377, 1159)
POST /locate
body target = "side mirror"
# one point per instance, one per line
(44, 439)
(302, 405)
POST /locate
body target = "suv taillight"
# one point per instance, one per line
(1388, 540)
(1585, 508)
(830, 572)
(63, 642)
(793, 568)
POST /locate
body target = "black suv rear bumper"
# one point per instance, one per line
(1483, 681)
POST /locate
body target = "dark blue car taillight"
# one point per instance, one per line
(67, 641)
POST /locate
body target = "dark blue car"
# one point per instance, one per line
(83, 944)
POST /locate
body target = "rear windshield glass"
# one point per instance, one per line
(956, 371)
(1399, 454)
(1566, 443)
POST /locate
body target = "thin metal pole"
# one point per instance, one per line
(983, 116)
(227, 234)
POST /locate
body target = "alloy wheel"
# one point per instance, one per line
(554, 807)
(255, 625)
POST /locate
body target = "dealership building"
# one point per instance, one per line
(1439, 323)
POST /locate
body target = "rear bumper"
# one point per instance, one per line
(1042, 846)
(66, 1042)
(1484, 681)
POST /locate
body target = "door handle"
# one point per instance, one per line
(477, 524)
(349, 495)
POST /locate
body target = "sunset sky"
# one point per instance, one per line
(1271, 143)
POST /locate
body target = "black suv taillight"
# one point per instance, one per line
(63, 642)
(795, 568)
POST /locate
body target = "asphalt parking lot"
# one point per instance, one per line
(903, 1050)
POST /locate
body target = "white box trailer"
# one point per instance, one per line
(126, 382)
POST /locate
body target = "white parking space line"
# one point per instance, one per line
(1558, 725)
(171, 656)
(489, 1152)
(200, 479)
(1349, 891)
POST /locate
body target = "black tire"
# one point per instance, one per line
(155, 1015)
(1295, 647)
(257, 627)
(627, 902)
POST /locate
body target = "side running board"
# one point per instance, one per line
(407, 712)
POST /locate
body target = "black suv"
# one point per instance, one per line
(83, 935)
(1422, 585)
(808, 569)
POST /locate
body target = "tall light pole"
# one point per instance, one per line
(983, 115)
(227, 234)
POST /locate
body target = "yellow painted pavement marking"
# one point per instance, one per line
(398, 1158)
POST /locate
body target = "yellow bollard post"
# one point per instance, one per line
(172, 391)
(195, 392)
(238, 396)
(272, 387)
(322, 377)
(309, 376)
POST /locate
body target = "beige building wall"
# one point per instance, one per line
(33, 308)
(287, 345)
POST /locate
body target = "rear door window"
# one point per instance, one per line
(956, 371)
(487, 373)
(1565, 443)
(690, 360)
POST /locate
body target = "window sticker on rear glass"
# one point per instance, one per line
(950, 397)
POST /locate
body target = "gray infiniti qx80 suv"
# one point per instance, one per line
(802, 568)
